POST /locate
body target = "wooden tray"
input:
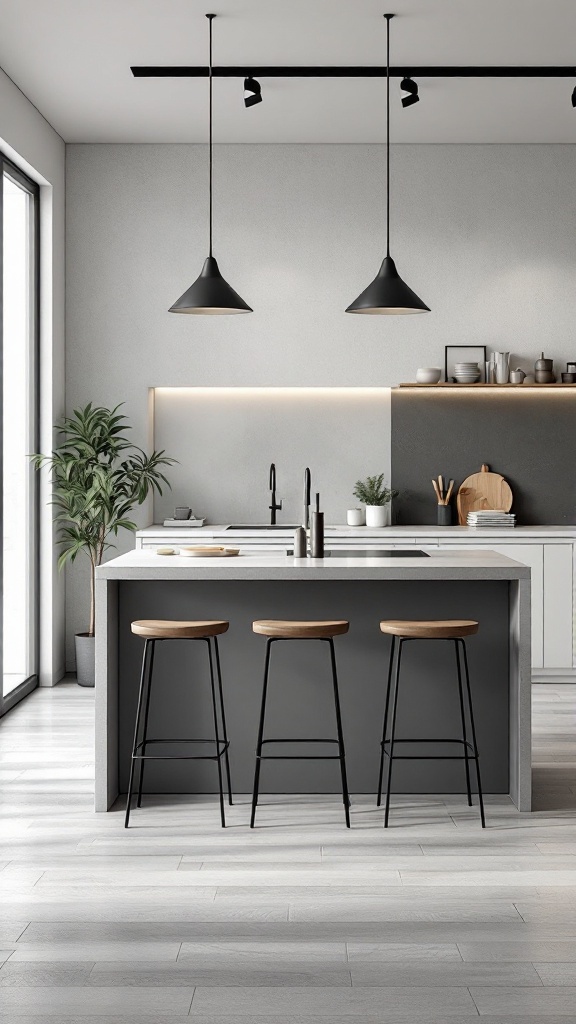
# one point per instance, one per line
(208, 552)
(483, 490)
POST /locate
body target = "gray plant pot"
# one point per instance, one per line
(85, 659)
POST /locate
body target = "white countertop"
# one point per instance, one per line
(442, 565)
(364, 532)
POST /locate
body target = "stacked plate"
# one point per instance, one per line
(466, 373)
(491, 517)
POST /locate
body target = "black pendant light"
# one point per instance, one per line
(210, 293)
(388, 294)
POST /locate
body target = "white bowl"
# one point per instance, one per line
(428, 375)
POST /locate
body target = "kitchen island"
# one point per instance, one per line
(481, 584)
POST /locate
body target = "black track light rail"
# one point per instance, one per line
(337, 71)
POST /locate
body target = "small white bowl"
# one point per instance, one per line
(428, 375)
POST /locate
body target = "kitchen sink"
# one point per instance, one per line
(264, 526)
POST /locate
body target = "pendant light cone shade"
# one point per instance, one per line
(210, 294)
(388, 294)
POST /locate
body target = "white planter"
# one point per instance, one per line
(355, 517)
(376, 515)
(85, 647)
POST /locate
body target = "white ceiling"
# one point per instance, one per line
(72, 59)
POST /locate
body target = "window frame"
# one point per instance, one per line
(12, 171)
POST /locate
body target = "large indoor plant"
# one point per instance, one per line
(98, 477)
(373, 493)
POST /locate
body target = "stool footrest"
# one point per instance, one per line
(221, 745)
(298, 739)
(431, 757)
(423, 739)
(298, 757)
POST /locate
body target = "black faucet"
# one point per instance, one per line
(274, 507)
(307, 488)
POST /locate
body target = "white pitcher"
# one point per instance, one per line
(502, 363)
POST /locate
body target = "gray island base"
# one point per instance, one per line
(473, 584)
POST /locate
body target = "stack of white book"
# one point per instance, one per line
(491, 517)
(184, 523)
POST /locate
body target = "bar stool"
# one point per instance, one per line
(154, 630)
(453, 630)
(280, 629)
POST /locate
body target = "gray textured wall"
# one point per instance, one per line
(485, 234)
(527, 436)
(225, 442)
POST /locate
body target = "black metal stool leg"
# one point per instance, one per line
(216, 733)
(393, 732)
(145, 729)
(222, 712)
(137, 729)
(463, 717)
(385, 721)
(473, 731)
(341, 751)
(260, 733)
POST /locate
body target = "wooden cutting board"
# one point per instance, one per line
(483, 490)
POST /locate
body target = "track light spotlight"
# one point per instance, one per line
(574, 96)
(252, 92)
(407, 85)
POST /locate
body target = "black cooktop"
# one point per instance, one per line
(386, 553)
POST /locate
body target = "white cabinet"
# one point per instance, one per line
(552, 565)
(558, 606)
(549, 551)
(532, 555)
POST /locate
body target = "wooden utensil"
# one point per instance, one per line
(208, 552)
(483, 490)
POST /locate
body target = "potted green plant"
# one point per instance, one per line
(98, 477)
(374, 494)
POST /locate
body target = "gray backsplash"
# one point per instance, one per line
(529, 437)
(226, 438)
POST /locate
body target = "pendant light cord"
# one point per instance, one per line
(388, 17)
(210, 19)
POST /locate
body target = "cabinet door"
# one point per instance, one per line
(558, 606)
(532, 555)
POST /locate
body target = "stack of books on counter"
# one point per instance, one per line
(491, 517)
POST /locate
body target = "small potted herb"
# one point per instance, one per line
(374, 494)
(98, 477)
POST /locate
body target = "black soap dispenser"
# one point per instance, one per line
(317, 531)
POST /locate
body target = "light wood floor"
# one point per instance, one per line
(298, 922)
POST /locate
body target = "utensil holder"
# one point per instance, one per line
(444, 515)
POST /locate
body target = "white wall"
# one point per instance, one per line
(30, 142)
(486, 235)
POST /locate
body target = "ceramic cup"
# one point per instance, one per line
(355, 517)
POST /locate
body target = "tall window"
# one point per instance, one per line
(19, 333)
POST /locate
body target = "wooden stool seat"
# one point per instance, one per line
(285, 629)
(435, 629)
(168, 629)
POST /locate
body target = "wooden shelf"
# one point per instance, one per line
(494, 387)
